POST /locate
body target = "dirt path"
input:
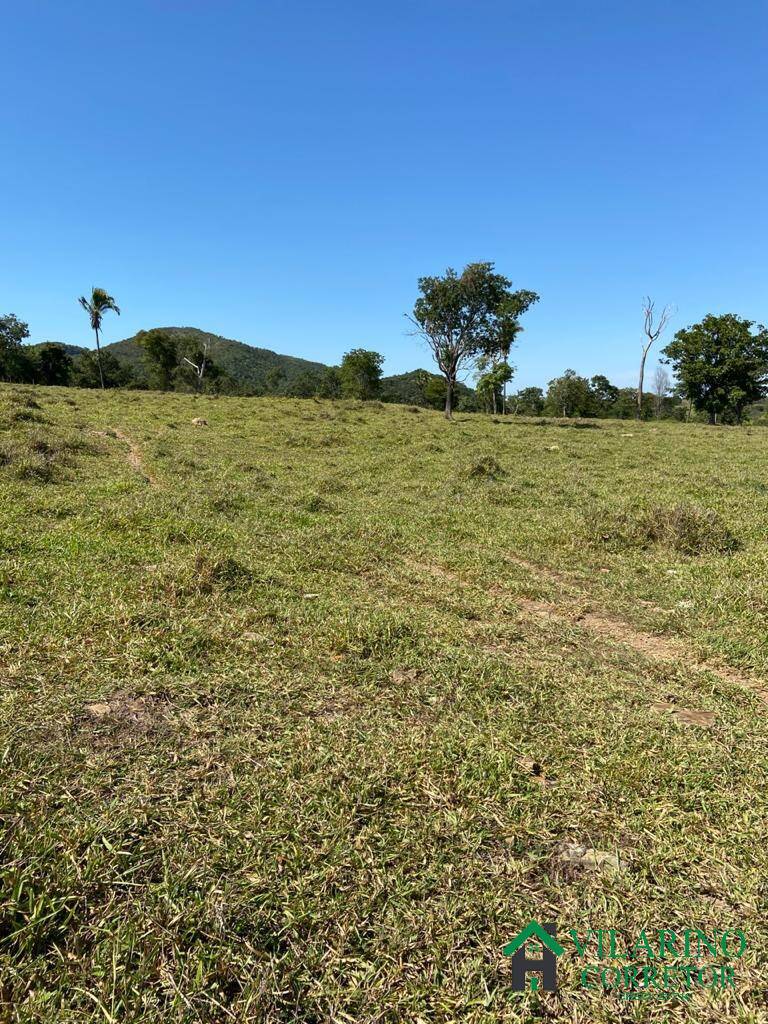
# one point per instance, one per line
(603, 625)
(133, 456)
(656, 648)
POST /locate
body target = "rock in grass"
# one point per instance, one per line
(588, 858)
(686, 716)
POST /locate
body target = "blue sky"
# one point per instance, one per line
(283, 172)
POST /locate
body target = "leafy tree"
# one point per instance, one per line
(330, 383)
(161, 357)
(14, 364)
(492, 382)
(509, 326)
(52, 364)
(360, 373)
(721, 364)
(605, 394)
(461, 316)
(109, 372)
(98, 304)
(273, 380)
(306, 385)
(625, 406)
(528, 402)
(434, 392)
(570, 395)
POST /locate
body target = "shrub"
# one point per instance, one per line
(687, 529)
(486, 468)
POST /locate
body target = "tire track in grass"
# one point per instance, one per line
(649, 645)
(605, 626)
(134, 456)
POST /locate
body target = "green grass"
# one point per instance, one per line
(270, 699)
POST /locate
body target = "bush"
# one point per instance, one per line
(687, 529)
(486, 468)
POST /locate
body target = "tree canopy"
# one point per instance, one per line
(461, 316)
(360, 374)
(721, 364)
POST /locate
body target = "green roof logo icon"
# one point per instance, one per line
(546, 964)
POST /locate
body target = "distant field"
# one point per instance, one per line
(301, 708)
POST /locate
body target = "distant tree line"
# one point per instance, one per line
(572, 396)
(469, 321)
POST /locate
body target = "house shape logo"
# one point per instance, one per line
(546, 963)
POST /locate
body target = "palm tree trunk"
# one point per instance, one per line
(98, 358)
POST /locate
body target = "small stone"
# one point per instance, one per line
(98, 710)
(588, 858)
(404, 675)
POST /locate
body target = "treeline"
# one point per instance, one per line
(469, 322)
(175, 361)
(571, 396)
(170, 363)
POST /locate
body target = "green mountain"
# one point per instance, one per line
(71, 350)
(248, 365)
(419, 387)
(261, 368)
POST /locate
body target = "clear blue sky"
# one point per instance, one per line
(283, 172)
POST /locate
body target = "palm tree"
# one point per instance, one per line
(98, 305)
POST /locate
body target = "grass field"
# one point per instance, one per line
(301, 708)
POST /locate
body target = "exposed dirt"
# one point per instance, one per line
(134, 456)
(124, 716)
(653, 647)
(649, 645)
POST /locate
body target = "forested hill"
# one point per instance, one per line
(246, 364)
(243, 369)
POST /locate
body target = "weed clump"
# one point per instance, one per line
(486, 468)
(687, 529)
(26, 415)
(316, 503)
(37, 459)
(208, 576)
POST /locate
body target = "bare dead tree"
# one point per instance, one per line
(660, 389)
(199, 367)
(653, 329)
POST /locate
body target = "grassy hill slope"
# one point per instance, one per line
(307, 712)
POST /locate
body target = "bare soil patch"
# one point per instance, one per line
(134, 456)
(647, 644)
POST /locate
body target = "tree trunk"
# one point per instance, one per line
(448, 397)
(640, 383)
(98, 358)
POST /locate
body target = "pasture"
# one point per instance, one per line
(305, 709)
